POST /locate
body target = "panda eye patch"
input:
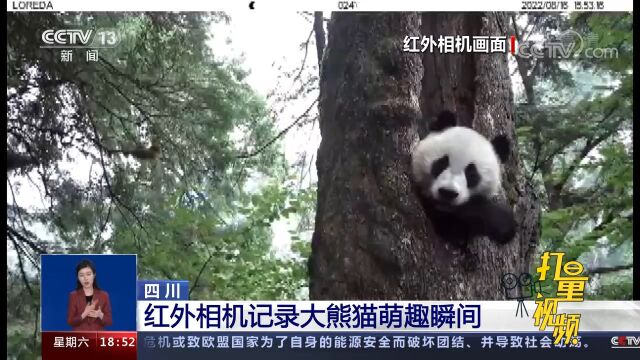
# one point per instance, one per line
(439, 166)
(472, 175)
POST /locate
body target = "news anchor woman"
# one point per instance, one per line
(89, 308)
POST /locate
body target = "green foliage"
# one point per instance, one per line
(20, 343)
(619, 287)
(576, 148)
(204, 211)
(21, 318)
(612, 32)
(236, 253)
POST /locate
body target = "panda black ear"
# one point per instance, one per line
(501, 145)
(445, 119)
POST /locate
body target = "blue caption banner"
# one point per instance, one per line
(194, 316)
(365, 345)
(169, 290)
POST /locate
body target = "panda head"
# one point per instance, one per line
(453, 163)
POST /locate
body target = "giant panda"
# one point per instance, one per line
(456, 173)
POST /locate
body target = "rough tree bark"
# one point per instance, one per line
(372, 239)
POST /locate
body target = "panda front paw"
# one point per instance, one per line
(501, 224)
(504, 235)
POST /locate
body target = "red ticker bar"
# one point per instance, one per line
(83, 345)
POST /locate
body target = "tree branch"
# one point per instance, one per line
(51, 130)
(124, 96)
(280, 134)
(318, 28)
(195, 282)
(537, 144)
(608, 220)
(42, 84)
(589, 145)
(112, 194)
(120, 118)
(604, 270)
(528, 81)
(19, 161)
(137, 82)
(304, 59)
(13, 232)
(23, 274)
(97, 243)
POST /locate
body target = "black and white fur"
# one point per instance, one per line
(457, 171)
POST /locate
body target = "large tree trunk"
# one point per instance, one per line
(372, 239)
